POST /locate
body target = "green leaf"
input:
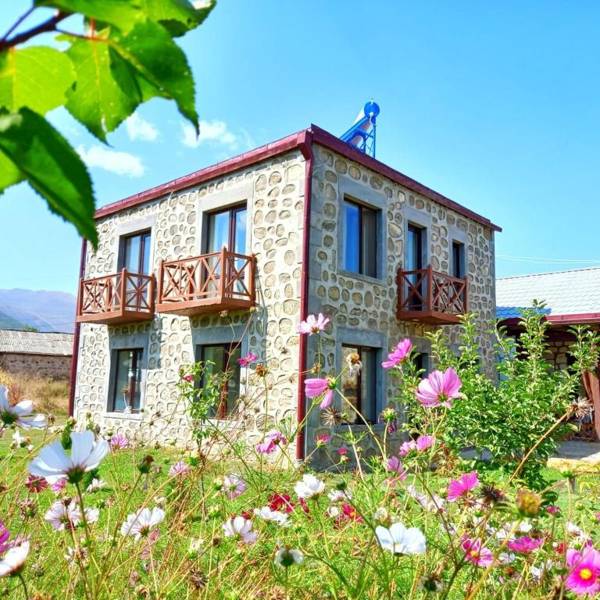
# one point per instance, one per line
(36, 77)
(9, 173)
(162, 63)
(106, 92)
(124, 14)
(51, 166)
(176, 16)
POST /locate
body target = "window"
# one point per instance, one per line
(458, 259)
(126, 391)
(422, 363)
(360, 387)
(360, 245)
(227, 229)
(415, 260)
(135, 253)
(225, 360)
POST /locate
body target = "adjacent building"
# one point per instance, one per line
(229, 259)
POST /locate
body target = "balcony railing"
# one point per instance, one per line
(431, 297)
(122, 297)
(208, 283)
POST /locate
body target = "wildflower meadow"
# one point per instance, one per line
(463, 507)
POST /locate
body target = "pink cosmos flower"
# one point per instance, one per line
(398, 354)
(36, 484)
(462, 486)
(584, 571)
(59, 485)
(475, 553)
(407, 447)
(552, 509)
(179, 469)
(395, 466)
(233, 486)
(439, 388)
(323, 439)
(313, 324)
(424, 442)
(4, 535)
(524, 544)
(247, 360)
(315, 387)
(118, 442)
(273, 439)
(189, 378)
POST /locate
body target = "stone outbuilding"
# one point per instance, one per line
(35, 353)
(228, 260)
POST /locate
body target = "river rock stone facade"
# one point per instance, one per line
(362, 309)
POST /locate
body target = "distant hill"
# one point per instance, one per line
(43, 310)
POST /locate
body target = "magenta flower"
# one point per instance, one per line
(189, 378)
(4, 535)
(323, 439)
(179, 469)
(36, 484)
(118, 442)
(462, 486)
(59, 485)
(439, 388)
(476, 553)
(552, 509)
(395, 466)
(407, 447)
(247, 360)
(424, 442)
(398, 354)
(271, 442)
(315, 387)
(584, 571)
(313, 324)
(524, 544)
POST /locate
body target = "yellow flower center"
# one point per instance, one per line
(586, 574)
(474, 553)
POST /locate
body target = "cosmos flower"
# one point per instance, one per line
(395, 466)
(281, 502)
(233, 486)
(179, 469)
(4, 537)
(35, 484)
(322, 439)
(240, 527)
(119, 442)
(287, 557)
(96, 485)
(273, 439)
(86, 454)
(313, 324)
(316, 386)
(67, 515)
(398, 354)
(398, 539)
(439, 388)
(14, 559)
(274, 516)
(246, 361)
(143, 522)
(59, 485)
(475, 553)
(462, 486)
(19, 414)
(584, 571)
(309, 486)
(429, 503)
(524, 544)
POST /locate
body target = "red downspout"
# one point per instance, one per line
(75, 357)
(306, 149)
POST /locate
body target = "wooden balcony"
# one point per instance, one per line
(430, 297)
(208, 283)
(123, 297)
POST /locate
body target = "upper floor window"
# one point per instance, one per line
(360, 386)
(223, 358)
(360, 245)
(227, 229)
(458, 259)
(135, 253)
(415, 248)
(126, 388)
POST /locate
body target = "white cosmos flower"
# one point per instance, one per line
(62, 515)
(275, 516)
(339, 495)
(309, 486)
(142, 522)
(401, 540)
(240, 527)
(286, 557)
(20, 413)
(430, 503)
(14, 559)
(97, 484)
(54, 463)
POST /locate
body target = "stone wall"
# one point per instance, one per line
(37, 365)
(273, 191)
(363, 308)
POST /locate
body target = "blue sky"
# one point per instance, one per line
(493, 104)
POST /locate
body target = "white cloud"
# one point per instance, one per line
(214, 132)
(121, 163)
(140, 129)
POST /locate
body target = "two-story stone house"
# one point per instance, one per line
(229, 259)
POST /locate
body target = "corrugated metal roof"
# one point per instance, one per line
(33, 342)
(564, 292)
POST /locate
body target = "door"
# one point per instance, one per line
(416, 284)
(135, 258)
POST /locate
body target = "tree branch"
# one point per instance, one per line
(49, 25)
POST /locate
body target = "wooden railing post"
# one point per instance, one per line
(160, 280)
(429, 300)
(251, 279)
(80, 297)
(223, 274)
(123, 287)
(466, 295)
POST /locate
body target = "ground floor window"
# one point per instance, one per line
(223, 358)
(422, 363)
(126, 389)
(359, 386)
